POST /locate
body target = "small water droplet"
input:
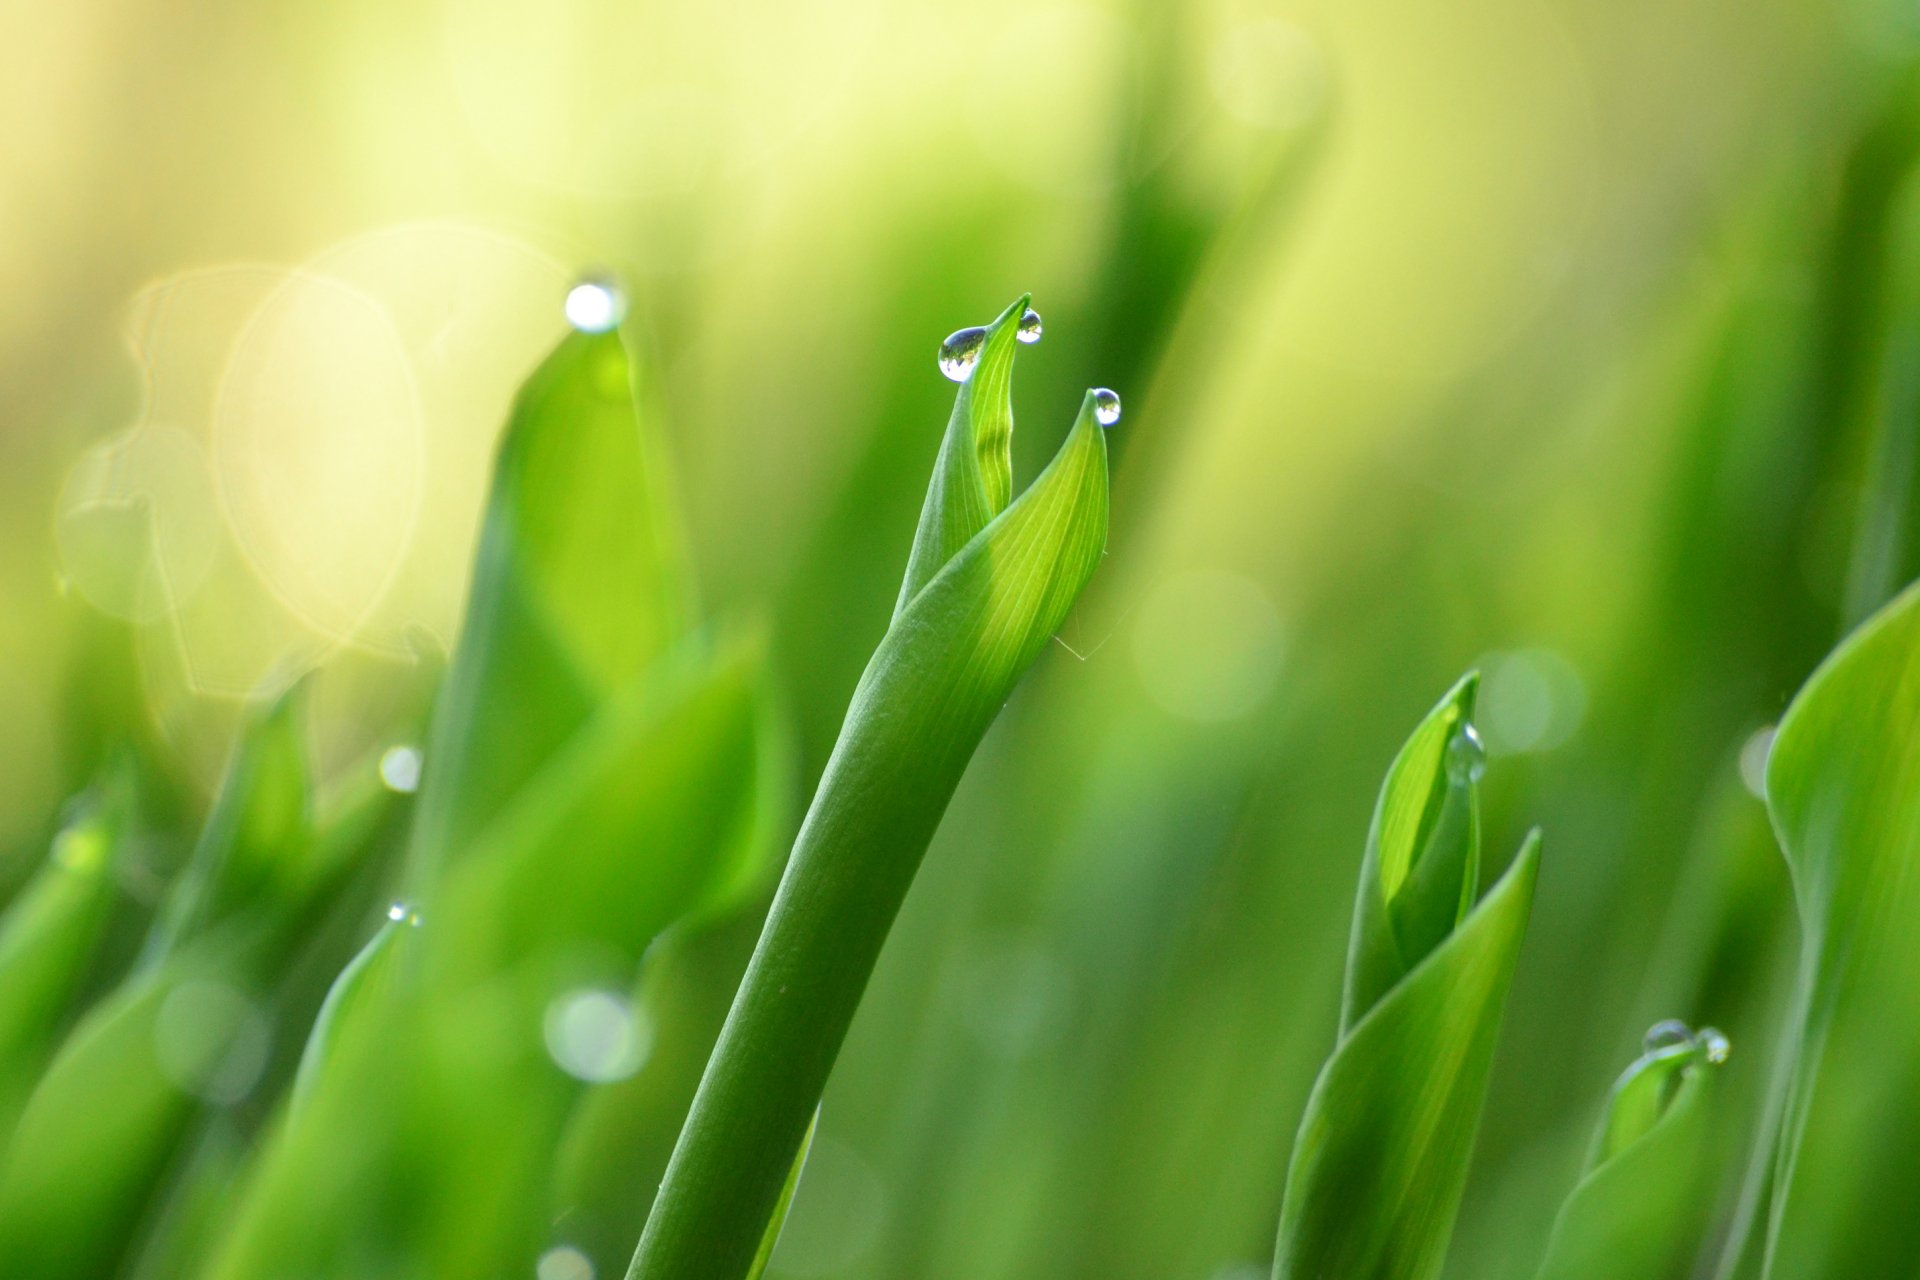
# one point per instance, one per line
(1714, 1044)
(1029, 330)
(1668, 1034)
(595, 306)
(400, 769)
(1106, 406)
(1466, 756)
(961, 351)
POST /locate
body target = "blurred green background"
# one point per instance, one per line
(1558, 339)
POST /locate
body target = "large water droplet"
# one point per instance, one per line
(1106, 406)
(961, 351)
(1466, 756)
(1714, 1044)
(1029, 330)
(1668, 1034)
(595, 306)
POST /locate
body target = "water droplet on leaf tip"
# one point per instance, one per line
(1466, 756)
(1029, 330)
(961, 351)
(1714, 1044)
(1666, 1034)
(595, 306)
(1106, 406)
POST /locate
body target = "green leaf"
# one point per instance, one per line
(1639, 1206)
(49, 934)
(939, 677)
(577, 588)
(258, 837)
(181, 1035)
(1381, 1159)
(640, 819)
(1843, 787)
(364, 983)
(973, 476)
(1421, 872)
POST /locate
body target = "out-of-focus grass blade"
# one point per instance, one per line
(365, 982)
(187, 1032)
(49, 933)
(258, 833)
(642, 818)
(576, 589)
(1638, 1208)
(1843, 786)
(1381, 1159)
(939, 677)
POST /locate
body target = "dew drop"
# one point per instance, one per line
(1466, 756)
(595, 306)
(1106, 406)
(400, 769)
(401, 913)
(1029, 330)
(1668, 1034)
(961, 351)
(1713, 1044)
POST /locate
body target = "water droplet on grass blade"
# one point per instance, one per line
(1714, 1044)
(1106, 406)
(595, 306)
(1668, 1034)
(401, 913)
(1466, 756)
(961, 351)
(1029, 330)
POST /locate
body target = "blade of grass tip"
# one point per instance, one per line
(577, 587)
(1381, 1159)
(367, 979)
(50, 932)
(1638, 1208)
(973, 476)
(933, 687)
(1421, 871)
(1843, 788)
(258, 832)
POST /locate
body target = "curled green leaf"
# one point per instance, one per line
(953, 653)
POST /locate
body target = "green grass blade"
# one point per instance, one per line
(180, 1036)
(637, 822)
(1843, 787)
(258, 836)
(1421, 872)
(1381, 1159)
(1638, 1208)
(48, 935)
(577, 588)
(933, 687)
(365, 982)
(973, 476)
